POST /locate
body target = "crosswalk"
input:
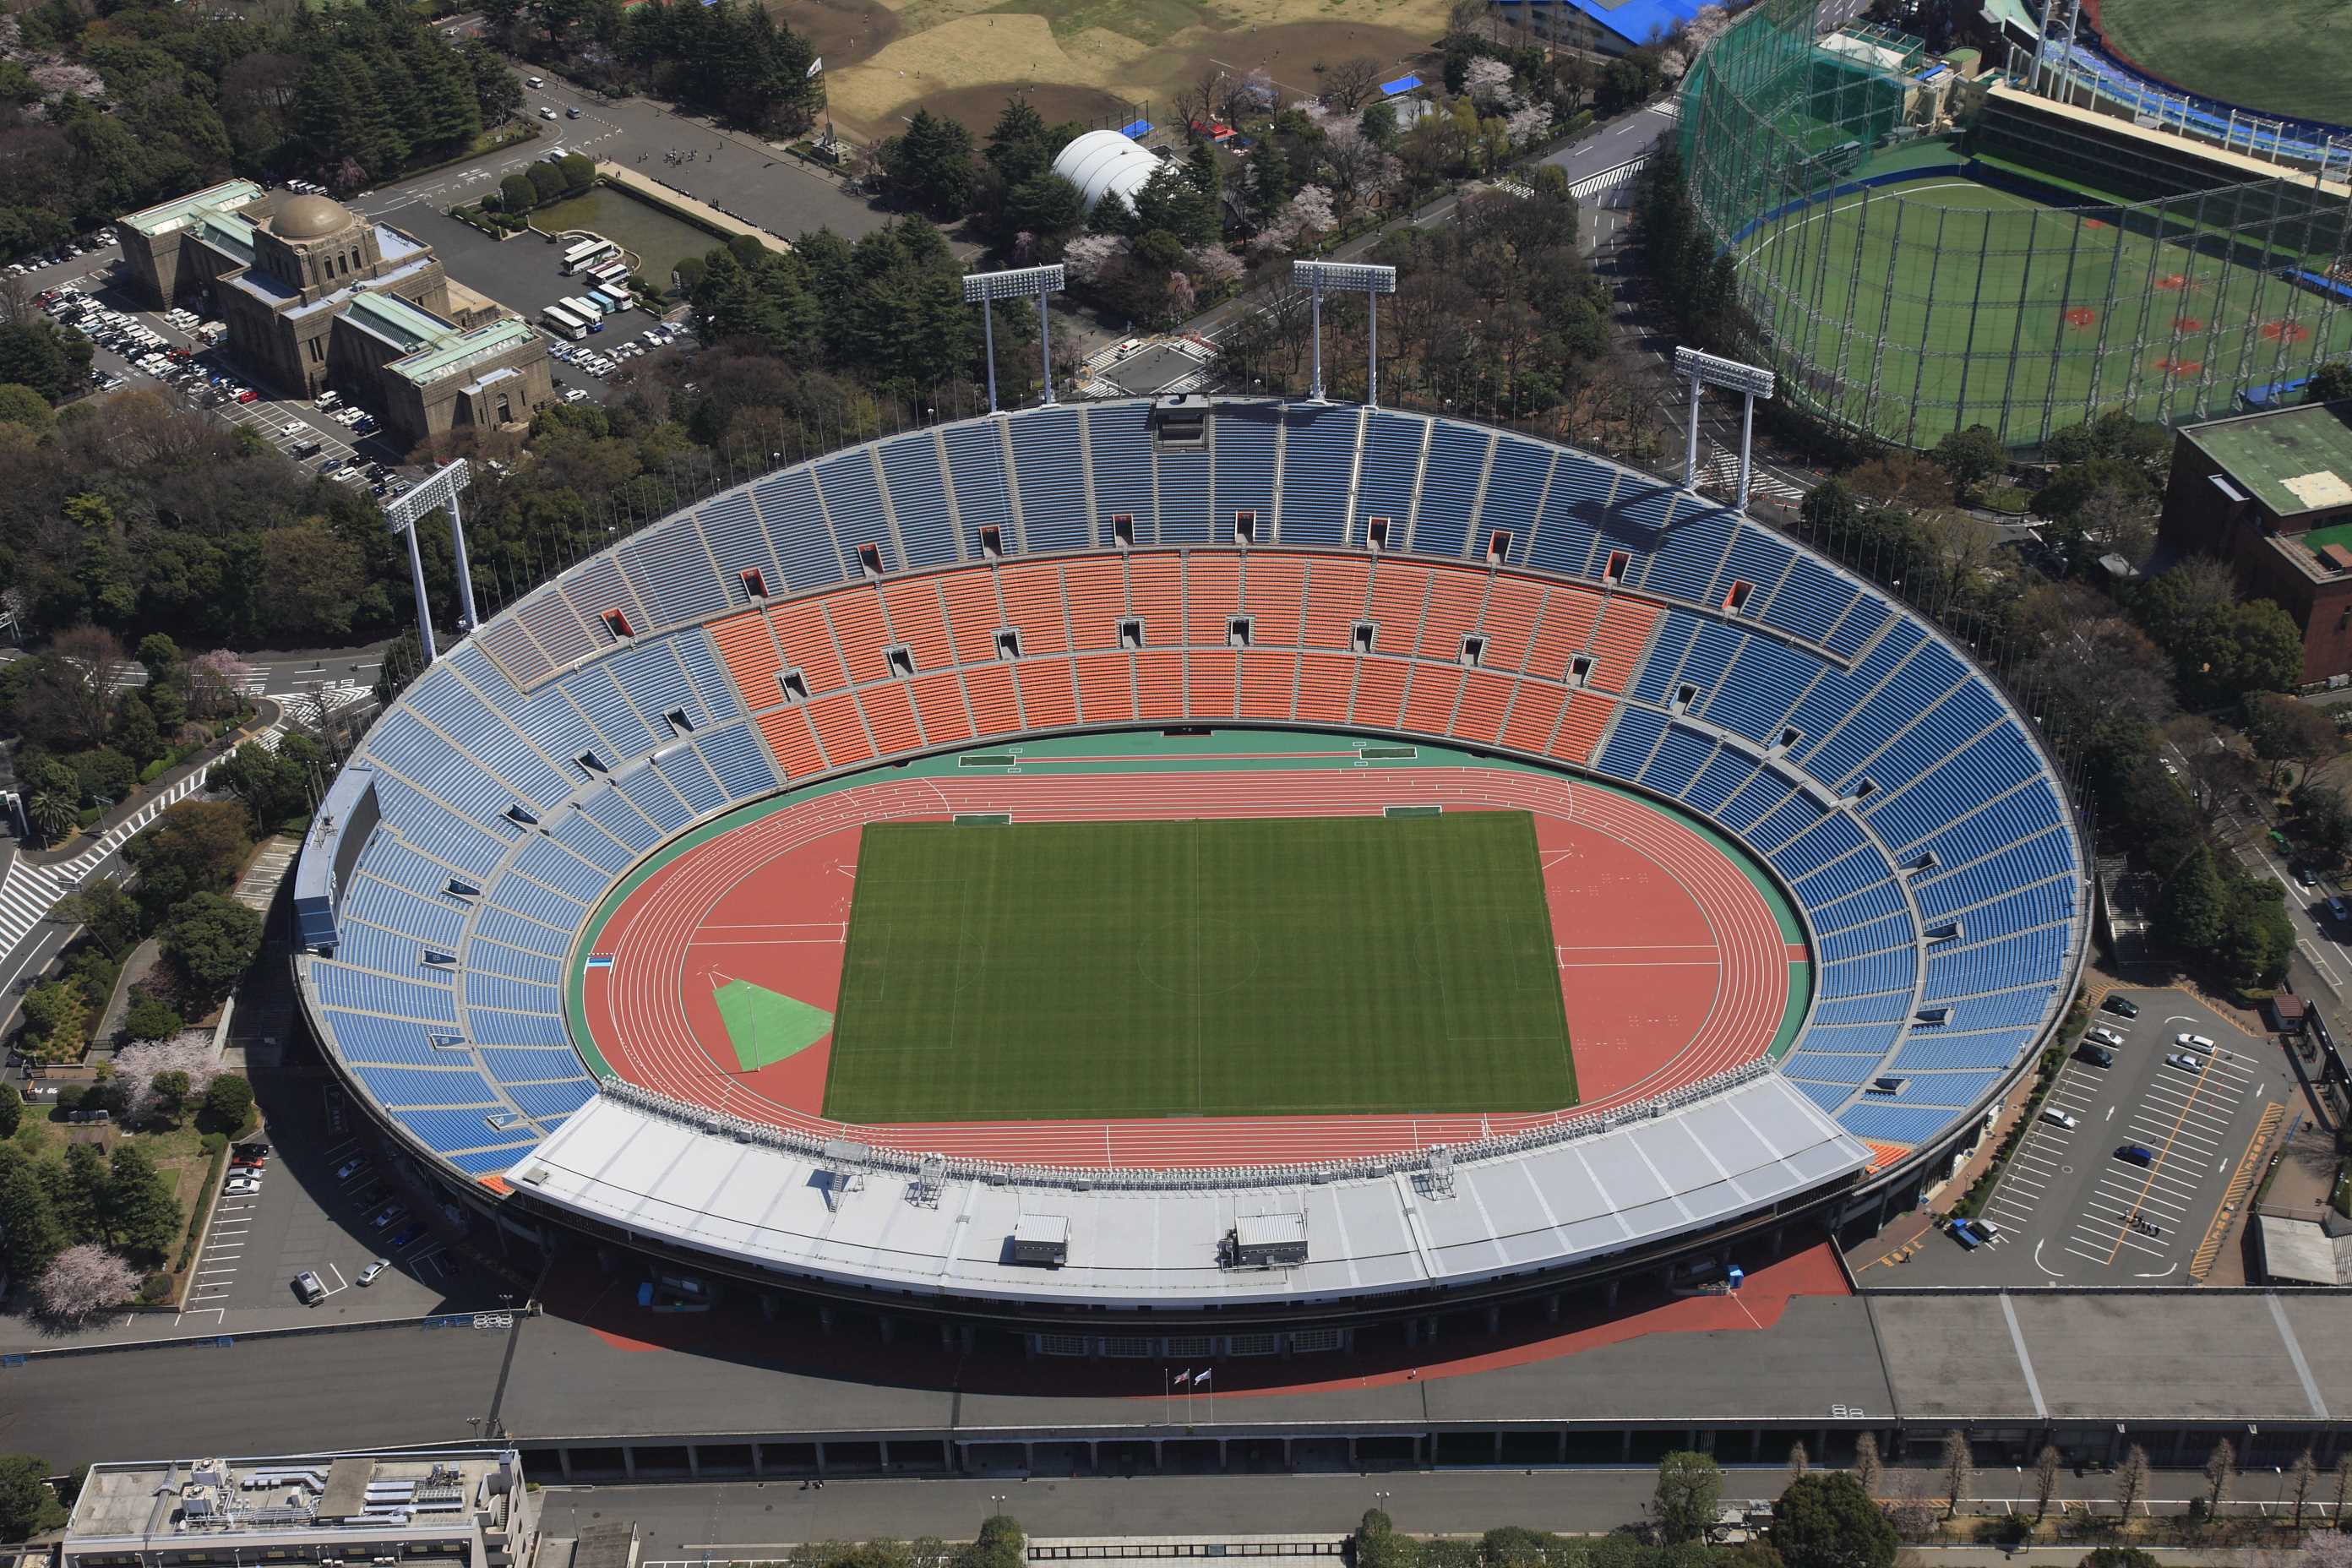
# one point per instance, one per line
(311, 708)
(29, 892)
(1591, 185)
(1720, 471)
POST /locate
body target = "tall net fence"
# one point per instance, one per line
(1907, 279)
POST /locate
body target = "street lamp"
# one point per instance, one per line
(984, 288)
(996, 1505)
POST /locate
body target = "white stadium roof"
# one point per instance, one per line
(824, 1216)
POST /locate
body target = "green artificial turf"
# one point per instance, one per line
(2284, 56)
(767, 1027)
(1234, 967)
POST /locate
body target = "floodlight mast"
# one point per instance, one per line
(1752, 381)
(439, 488)
(1374, 281)
(984, 288)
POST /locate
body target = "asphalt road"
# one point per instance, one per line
(2071, 1211)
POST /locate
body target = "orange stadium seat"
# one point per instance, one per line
(1454, 598)
(1097, 591)
(973, 617)
(1580, 727)
(808, 645)
(1212, 597)
(1617, 646)
(1562, 630)
(1155, 595)
(891, 716)
(856, 618)
(840, 731)
(1430, 699)
(938, 702)
(747, 649)
(1268, 683)
(1273, 589)
(1326, 683)
(994, 707)
(792, 742)
(1535, 710)
(1509, 627)
(1336, 591)
(1106, 686)
(1046, 695)
(1379, 692)
(1400, 589)
(917, 620)
(1484, 696)
(1212, 676)
(1033, 606)
(1160, 685)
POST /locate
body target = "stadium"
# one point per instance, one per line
(1265, 865)
(1920, 248)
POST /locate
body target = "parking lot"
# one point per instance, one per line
(330, 1204)
(2069, 1206)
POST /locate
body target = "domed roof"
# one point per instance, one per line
(311, 218)
(1106, 163)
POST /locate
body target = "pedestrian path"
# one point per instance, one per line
(1720, 471)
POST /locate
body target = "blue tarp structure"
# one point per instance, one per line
(1401, 84)
(1139, 131)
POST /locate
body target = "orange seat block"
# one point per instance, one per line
(939, 701)
(835, 717)
(1326, 683)
(1428, 704)
(1273, 589)
(1580, 728)
(1097, 595)
(891, 716)
(917, 620)
(973, 619)
(994, 707)
(1379, 692)
(1268, 680)
(793, 744)
(1484, 696)
(1454, 598)
(1213, 680)
(1107, 687)
(856, 617)
(1336, 591)
(1535, 711)
(1160, 685)
(1033, 603)
(1509, 627)
(749, 651)
(808, 644)
(1400, 589)
(1562, 630)
(1046, 695)
(1155, 595)
(1212, 597)
(1617, 646)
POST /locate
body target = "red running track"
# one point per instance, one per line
(1671, 965)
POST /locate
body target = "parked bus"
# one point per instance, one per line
(610, 272)
(614, 300)
(563, 323)
(587, 253)
(586, 310)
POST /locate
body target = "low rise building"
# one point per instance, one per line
(314, 295)
(2271, 493)
(457, 1509)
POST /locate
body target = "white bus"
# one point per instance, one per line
(614, 300)
(587, 253)
(614, 271)
(563, 323)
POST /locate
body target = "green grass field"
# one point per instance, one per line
(1236, 967)
(2284, 56)
(1999, 304)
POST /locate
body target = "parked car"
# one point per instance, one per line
(2095, 1054)
(2186, 1062)
(351, 1167)
(2199, 1041)
(391, 1214)
(241, 1188)
(2135, 1154)
(2104, 1036)
(404, 1235)
(310, 1289)
(368, 1275)
(2057, 1118)
(2121, 1007)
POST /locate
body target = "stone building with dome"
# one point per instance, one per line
(317, 296)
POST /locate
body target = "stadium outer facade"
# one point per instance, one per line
(1884, 324)
(1888, 783)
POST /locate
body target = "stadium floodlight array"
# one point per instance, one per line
(402, 512)
(1433, 1168)
(1374, 281)
(1752, 381)
(984, 288)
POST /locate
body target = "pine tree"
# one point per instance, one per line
(2192, 908)
(141, 1212)
(29, 1228)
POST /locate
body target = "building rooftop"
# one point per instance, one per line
(406, 326)
(200, 1500)
(211, 201)
(465, 350)
(373, 287)
(2294, 460)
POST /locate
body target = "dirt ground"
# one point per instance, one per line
(1100, 61)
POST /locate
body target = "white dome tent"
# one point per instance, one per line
(1106, 163)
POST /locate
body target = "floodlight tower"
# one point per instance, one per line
(984, 288)
(1373, 282)
(403, 513)
(1752, 381)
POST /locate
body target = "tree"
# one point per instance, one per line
(2191, 908)
(1960, 1469)
(1866, 1464)
(1350, 84)
(1000, 1544)
(107, 911)
(197, 847)
(210, 938)
(1378, 1545)
(1689, 1491)
(1970, 457)
(516, 195)
(2324, 820)
(1827, 1521)
(2220, 1470)
(152, 1018)
(228, 1104)
(2285, 730)
(84, 1282)
(2331, 382)
(27, 1507)
(2131, 1480)
(2118, 1557)
(929, 164)
(1799, 1461)
(2046, 1465)
(2301, 1477)
(2342, 1481)
(57, 1014)
(21, 406)
(169, 1090)
(30, 1232)
(12, 1109)
(139, 1209)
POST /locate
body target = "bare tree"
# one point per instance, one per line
(1866, 1467)
(2045, 1481)
(2343, 1485)
(1350, 84)
(1799, 1462)
(2301, 1477)
(1196, 101)
(2131, 1480)
(1960, 1469)
(2220, 1470)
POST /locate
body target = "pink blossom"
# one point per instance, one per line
(84, 1282)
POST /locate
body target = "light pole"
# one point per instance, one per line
(984, 288)
(438, 489)
(995, 1506)
(1752, 381)
(1373, 282)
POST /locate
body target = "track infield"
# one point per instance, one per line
(1263, 966)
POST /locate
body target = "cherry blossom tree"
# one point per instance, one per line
(1488, 83)
(1180, 296)
(1089, 256)
(1215, 265)
(84, 1282)
(136, 1066)
(1527, 126)
(1309, 214)
(214, 680)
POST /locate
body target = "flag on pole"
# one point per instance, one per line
(1202, 1381)
(815, 66)
(1185, 1376)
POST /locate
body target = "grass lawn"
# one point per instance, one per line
(1142, 969)
(2284, 56)
(2053, 313)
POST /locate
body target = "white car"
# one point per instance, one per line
(2186, 1062)
(241, 1186)
(368, 1275)
(575, 395)
(2057, 1118)
(2199, 1041)
(291, 427)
